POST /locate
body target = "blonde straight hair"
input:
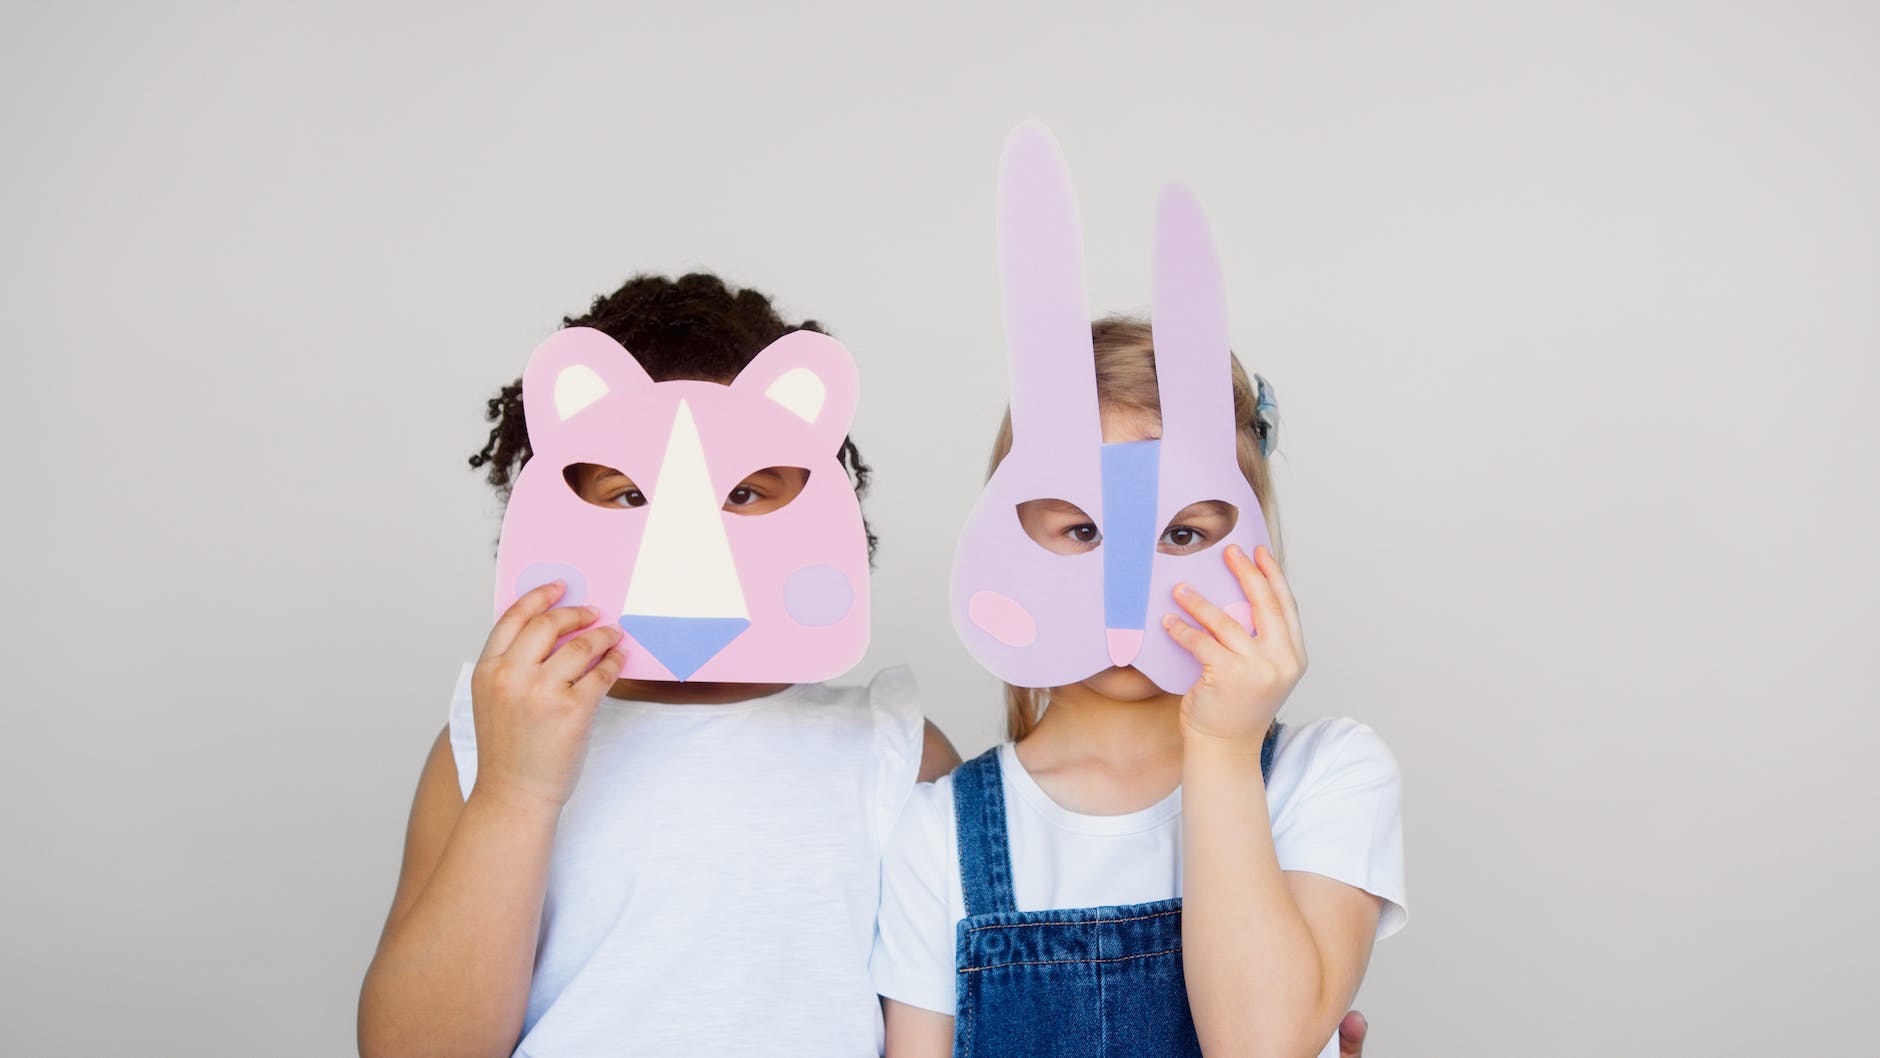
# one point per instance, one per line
(1125, 357)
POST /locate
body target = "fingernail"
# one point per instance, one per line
(1183, 590)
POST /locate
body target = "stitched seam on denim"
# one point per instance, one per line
(1072, 922)
(1060, 962)
(1103, 1001)
(966, 1019)
(1002, 890)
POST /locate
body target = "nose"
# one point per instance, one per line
(682, 644)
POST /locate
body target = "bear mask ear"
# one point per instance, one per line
(576, 387)
(809, 375)
(570, 372)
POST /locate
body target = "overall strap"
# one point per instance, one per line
(1266, 751)
(979, 823)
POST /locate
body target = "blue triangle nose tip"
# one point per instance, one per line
(683, 644)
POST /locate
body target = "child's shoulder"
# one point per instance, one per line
(1333, 750)
(890, 690)
(886, 707)
(922, 836)
(1330, 734)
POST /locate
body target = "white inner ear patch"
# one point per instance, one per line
(575, 388)
(800, 390)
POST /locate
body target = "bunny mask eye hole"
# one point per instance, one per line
(603, 486)
(1059, 526)
(1197, 527)
(766, 490)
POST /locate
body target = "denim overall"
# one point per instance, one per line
(1090, 982)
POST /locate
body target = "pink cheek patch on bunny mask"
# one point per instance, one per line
(1036, 618)
(702, 591)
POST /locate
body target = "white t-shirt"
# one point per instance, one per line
(1335, 797)
(714, 878)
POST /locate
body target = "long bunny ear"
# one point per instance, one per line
(1041, 275)
(1188, 313)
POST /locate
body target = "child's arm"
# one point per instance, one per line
(937, 755)
(451, 976)
(912, 1032)
(1272, 958)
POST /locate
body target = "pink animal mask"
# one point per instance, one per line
(1040, 619)
(702, 592)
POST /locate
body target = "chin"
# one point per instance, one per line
(1123, 685)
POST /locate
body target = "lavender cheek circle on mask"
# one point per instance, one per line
(816, 596)
(540, 573)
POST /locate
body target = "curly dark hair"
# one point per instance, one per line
(695, 327)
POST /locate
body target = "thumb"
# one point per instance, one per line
(1351, 1033)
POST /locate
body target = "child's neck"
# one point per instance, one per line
(1104, 756)
(691, 693)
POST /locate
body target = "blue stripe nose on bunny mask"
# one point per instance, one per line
(1130, 474)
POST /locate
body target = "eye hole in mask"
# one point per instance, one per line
(767, 490)
(603, 486)
(1059, 526)
(1197, 527)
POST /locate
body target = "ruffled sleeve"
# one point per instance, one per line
(463, 731)
(900, 732)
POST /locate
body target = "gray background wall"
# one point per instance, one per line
(1570, 308)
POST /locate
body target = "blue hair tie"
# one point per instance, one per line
(1265, 417)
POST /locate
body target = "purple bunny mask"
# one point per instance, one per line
(1036, 618)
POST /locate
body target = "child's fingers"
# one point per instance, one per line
(573, 658)
(1205, 648)
(1263, 558)
(537, 638)
(1228, 631)
(1269, 620)
(529, 605)
(602, 676)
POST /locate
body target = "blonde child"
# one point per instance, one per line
(1141, 872)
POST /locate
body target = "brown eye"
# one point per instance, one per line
(1182, 536)
(1197, 527)
(1059, 526)
(770, 489)
(603, 486)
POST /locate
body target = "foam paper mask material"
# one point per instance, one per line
(1040, 619)
(703, 593)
